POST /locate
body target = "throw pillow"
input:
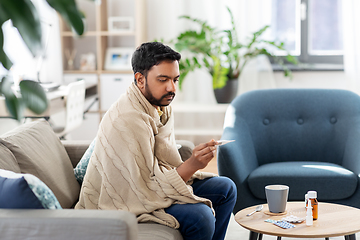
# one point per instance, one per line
(25, 191)
(8, 160)
(39, 152)
(81, 167)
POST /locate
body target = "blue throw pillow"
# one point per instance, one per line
(81, 167)
(25, 191)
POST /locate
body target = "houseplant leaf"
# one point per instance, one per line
(5, 61)
(69, 11)
(25, 18)
(34, 96)
(193, 42)
(14, 105)
(256, 35)
(219, 74)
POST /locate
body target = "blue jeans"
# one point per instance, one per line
(197, 220)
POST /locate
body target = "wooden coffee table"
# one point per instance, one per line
(334, 220)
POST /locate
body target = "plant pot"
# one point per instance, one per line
(228, 92)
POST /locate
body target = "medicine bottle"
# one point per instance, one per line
(312, 195)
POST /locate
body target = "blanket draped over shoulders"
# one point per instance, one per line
(133, 165)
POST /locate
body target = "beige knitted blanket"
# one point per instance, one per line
(133, 166)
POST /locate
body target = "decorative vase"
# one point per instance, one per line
(228, 92)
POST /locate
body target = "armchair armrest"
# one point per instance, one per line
(69, 224)
(237, 160)
(351, 155)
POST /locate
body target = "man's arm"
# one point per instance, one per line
(201, 156)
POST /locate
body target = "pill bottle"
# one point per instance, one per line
(306, 200)
(312, 195)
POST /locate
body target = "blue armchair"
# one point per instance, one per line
(308, 139)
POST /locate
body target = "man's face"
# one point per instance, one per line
(160, 85)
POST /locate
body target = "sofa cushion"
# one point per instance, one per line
(148, 231)
(331, 181)
(81, 167)
(39, 152)
(7, 160)
(25, 191)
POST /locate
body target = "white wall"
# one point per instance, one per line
(313, 79)
(7, 125)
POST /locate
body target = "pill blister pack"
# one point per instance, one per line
(293, 219)
(282, 224)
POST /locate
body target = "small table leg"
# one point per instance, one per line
(350, 237)
(255, 236)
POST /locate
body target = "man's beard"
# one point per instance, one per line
(152, 100)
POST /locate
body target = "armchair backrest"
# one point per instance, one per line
(295, 124)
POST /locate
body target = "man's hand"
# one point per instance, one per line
(201, 156)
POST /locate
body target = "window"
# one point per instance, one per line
(310, 29)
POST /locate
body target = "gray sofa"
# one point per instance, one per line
(33, 148)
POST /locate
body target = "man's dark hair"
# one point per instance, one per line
(150, 54)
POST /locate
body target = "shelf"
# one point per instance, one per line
(205, 119)
(79, 72)
(94, 33)
(92, 111)
(71, 34)
(199, 108)
(106, 33)
(98, 72)
(198, 132)
(116, 72)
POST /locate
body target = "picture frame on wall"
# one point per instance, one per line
(121, 24)
(118, 58)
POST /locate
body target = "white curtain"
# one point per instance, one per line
(351, 28)
(257, 74)
(163, 23)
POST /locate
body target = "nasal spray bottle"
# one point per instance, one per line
(309, 216)
(312, 195)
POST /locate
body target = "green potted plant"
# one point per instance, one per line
(25, 18)
(221, 53)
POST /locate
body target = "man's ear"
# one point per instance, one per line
(140, 80)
